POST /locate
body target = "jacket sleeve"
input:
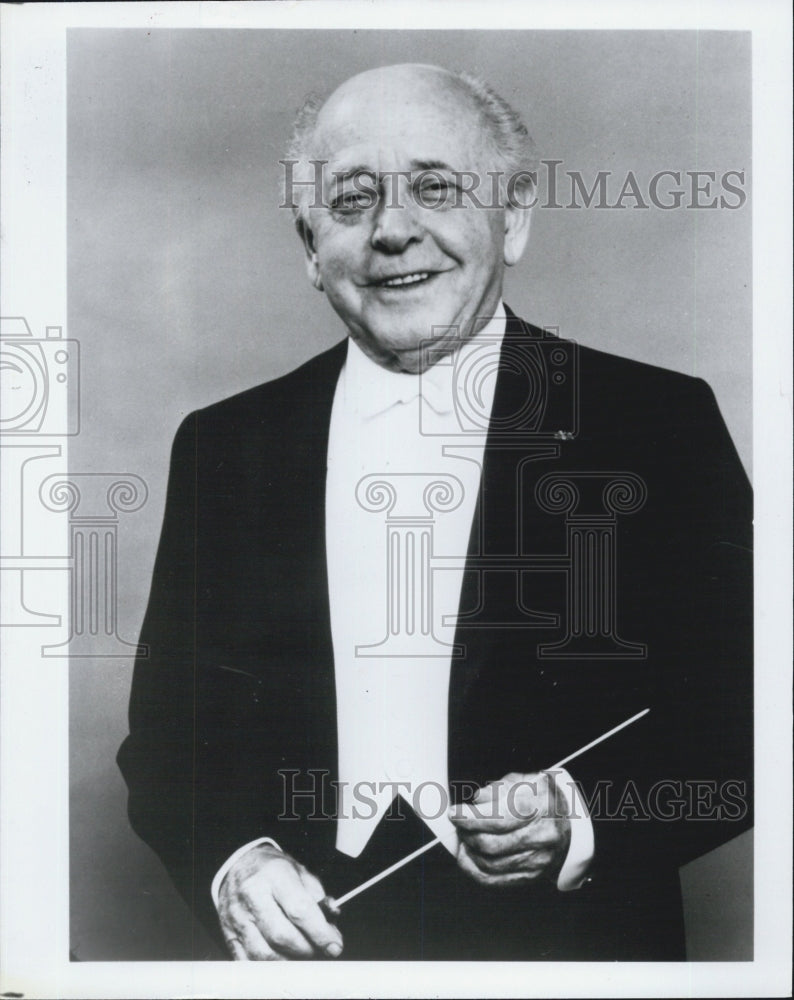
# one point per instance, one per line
(156, 757)
(190, 760)
(679, 782)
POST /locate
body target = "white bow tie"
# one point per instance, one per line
(378, 389)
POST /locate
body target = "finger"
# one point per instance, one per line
(544, 835)
(330, 909)
(467, 864)
(301, 910)
(508, 853)
(263, 929)
(327, 905)
(311, 884)
(236, 949)
(522, 861)
(508, 804)
(255, 947)
(496, 844)
(279, 932)
(485, 817)
(488, 792)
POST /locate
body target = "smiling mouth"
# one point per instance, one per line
(405, 280)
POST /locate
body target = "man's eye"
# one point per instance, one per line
(434, 191)
(352, 201)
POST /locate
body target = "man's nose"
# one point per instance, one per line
(396, 225)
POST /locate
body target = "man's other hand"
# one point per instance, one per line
(514, 830)
(268, 908)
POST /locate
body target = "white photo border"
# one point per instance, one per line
(34, 873)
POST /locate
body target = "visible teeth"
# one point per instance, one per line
(409, 279)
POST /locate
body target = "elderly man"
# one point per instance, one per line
(393, 574)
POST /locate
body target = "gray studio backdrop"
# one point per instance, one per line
(186, 284)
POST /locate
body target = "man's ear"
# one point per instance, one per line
(517, 221)
(312, 264)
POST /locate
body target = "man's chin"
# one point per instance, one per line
(413, 354)
(417, 358)
(413, 362)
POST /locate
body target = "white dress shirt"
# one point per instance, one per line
(392, 710)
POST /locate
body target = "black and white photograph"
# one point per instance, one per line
(395, 448)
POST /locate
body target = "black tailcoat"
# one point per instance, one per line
(238, 685)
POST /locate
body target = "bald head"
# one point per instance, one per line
(371, 102)
(373, 99)
(377, 83)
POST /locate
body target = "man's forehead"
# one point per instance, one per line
(420, 112)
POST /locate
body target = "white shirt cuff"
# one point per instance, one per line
(215, 888)
(573, 873)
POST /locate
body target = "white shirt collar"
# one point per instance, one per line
(374, 389)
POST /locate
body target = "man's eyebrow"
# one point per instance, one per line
(349, 172)
(431, 165)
